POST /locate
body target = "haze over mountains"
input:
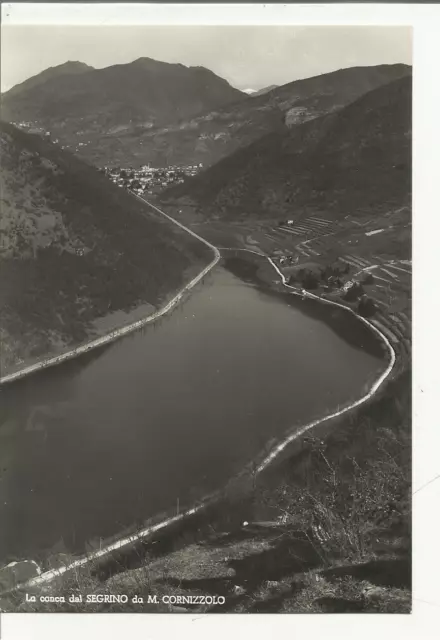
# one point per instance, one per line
(259, 92)
(149, 111)
(356, 158)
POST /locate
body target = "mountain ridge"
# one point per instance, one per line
(69, 67)
(359, 153)
(208, 137)
(143, 92)
(128, 134)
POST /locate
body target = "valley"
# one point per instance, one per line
(223, 280)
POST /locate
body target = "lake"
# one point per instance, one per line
(170, 412)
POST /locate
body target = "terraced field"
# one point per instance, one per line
(391, 291)
(378, 243)
(313, 228)
(318, 240)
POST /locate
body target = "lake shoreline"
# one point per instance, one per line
(272, 450)
(241, 483)
(114, 335)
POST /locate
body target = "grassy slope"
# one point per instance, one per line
(358, 157)
(52, 205)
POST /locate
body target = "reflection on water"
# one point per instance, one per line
(170, 412)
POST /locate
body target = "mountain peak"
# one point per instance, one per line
(69, 68)
(142, 92)
(151, 64)
(73, 65)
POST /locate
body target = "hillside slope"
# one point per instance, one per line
(142, 93)
(359, 156)
(75, 249)
(214, 134)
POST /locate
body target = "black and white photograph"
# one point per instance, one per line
(205, 318)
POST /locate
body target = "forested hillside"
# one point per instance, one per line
(75, 248)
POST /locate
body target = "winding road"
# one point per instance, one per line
(123, 331)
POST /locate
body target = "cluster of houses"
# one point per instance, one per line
(27, 125)
(287, 260)
(146, 179)
(33, 127)
(284, 259)
(149, 179)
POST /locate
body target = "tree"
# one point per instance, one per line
(368, 279)
(354, 292)
(366, 307)
(310, 280)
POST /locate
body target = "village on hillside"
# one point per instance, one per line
(145, 180)
(150, 180)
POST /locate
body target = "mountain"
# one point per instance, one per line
(60, 71)
(214, 134)
(74, 98)
(78, 255)
(357, 157)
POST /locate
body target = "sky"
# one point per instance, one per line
(249, 57)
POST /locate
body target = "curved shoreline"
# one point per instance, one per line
(129, 328)
(373, 389)
(126, 541)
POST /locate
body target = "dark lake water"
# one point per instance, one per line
(173, 411)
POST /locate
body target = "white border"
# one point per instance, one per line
(215, 14)
(422, 623)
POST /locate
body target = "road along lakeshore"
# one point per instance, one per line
(127, 329)
(263, 461)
